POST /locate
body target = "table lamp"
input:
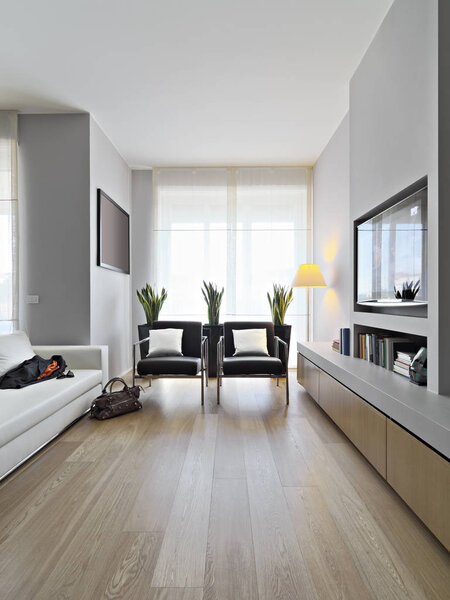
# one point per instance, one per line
(308, 276)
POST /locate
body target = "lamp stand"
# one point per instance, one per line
(308, 311)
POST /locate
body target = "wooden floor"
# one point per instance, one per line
(249, 500)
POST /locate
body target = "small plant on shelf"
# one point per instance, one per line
(152, 302)
(408, 292)
(279, 303)
(213, 299)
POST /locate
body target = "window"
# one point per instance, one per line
(8, 221)
(244, 229)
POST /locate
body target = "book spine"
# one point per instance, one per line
(368, 339)
(345, 343)
(374, 348)
(389, 355)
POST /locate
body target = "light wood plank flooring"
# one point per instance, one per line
(250, 500)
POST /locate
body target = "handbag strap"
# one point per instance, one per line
(113, 380)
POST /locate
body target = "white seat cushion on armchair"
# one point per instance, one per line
(250, 342)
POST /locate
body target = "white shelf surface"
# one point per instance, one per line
(423, 413)
(400, 323)
(391, 303)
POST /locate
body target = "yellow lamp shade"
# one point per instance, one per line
(309, 276)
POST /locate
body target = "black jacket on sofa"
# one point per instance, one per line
(33, 370)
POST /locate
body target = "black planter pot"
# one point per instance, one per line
(213, 333)
(284, 333)
(143, 332)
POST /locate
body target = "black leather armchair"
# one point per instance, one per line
(274, 365)
(193, 363)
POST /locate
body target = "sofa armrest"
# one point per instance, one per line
(79, 357)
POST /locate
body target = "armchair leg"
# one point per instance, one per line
(287, 387)
(207, 362)
(202, 383)
(218, 388)
(278, 382)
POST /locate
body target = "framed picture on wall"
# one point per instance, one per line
(113, 234)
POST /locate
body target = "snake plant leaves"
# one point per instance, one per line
(213, 298)
(279, 302)
(151, 301)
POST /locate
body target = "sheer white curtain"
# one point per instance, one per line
(8, 222)
(244, 229)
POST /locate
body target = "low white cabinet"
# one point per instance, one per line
(362, 424)
(419, 474)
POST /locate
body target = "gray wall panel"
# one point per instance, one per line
(54, 227)
(142, 190)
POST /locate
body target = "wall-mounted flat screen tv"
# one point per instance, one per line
(113, 234)
(392, 254)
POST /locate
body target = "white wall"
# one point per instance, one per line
(142, 228)
(444, 186)
(54, 227)
(110, 304)
(394, 141)
(331, 235)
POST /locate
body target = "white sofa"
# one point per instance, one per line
(32, 416)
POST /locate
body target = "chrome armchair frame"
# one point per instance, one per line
(220, 374)
(203, 376)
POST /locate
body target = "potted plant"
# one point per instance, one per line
(152, 303)
(279, 303)
(213, 331)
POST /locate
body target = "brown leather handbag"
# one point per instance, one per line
(113, 404)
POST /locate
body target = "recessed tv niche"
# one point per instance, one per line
(391, 255)
(113, 234)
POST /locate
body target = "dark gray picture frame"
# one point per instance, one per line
(100, 261)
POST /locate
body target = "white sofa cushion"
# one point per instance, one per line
(22, 409)
(14, 349)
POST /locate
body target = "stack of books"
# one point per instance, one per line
(336, 346)
(382, 350)
(403, 362)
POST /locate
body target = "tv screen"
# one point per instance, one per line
(113, 250)
(392, 252)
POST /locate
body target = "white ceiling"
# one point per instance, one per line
(191, 82)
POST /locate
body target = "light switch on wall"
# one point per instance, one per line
(32, 299)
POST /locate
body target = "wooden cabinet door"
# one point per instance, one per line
(422, 478)
(367, 430)
(308, 376)
(300, 369)
(361, 423)
(331, 398)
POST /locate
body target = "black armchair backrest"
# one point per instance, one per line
(192, 335)
(228, 334)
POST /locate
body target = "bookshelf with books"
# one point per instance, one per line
(388, 349)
